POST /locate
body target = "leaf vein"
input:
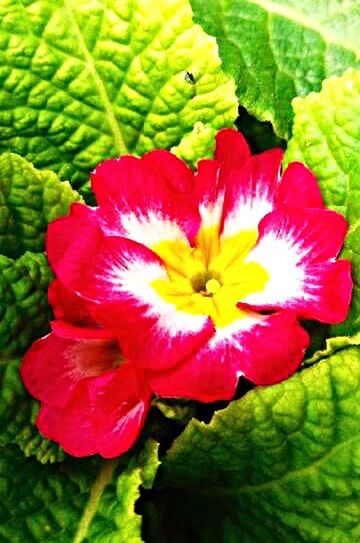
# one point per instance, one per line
(119, 143)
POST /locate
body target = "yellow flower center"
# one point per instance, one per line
(212, 277)
(212, 286)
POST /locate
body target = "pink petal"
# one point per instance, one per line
(231, 150)
(273, 350)
(231, 154)
(67, 306)
(53, 365)
(299, 187)
(102, 268)
(47, 422)
(137, 197)
(70, 331)
(297, 247)
(110, 270)
(61, 232)
(73, 318)
(265, 349)
(120, 412)
(250, 192)
(76, 433)
(105, 414)
(157, 336)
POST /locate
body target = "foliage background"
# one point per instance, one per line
(85, 81)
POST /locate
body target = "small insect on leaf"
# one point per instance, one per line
(189, 78)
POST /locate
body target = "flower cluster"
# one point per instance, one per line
(177, 284)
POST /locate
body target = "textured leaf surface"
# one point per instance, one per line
(326, 137)
(29, 200)
(24, 312)
(282, 48)
(84, 81)
(281, 464)
(79, 501)
(17, 417)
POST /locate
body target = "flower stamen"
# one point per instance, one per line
(212, 286)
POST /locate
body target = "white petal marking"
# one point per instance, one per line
(246, 215)
(151, 228)
(281, 258)
(136, 280)
(227, 334)
(211, 212)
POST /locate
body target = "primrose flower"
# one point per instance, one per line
(201, 277)
(92, 400)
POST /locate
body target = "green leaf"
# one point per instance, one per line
(333, 344)
(282, 464)
(17, 417)
(326, 137)
(279, 49)
(177, 409)
(80, 501)
(24, 312)
(29, 200)
(199, 143)
(84, 81)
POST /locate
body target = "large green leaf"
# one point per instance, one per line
(282, 464)
(278, 49)
(87, 80)
(29, 200)
(24, 312)
(326, 137)
(78, 501)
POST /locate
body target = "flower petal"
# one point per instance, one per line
(250, 192)
(66, 330)
(69, 307)
(119, 273)
(232, 150)
(47, 422)
(156, 335)
(73, 318)
(105, 414)
(76, 434)
(101, 268)
(297, 248)
(146, 200)
(265, 349)
(61, 232)
(53, 365)
(231, 154)
(299, 187)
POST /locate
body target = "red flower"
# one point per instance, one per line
(92, 401)
(201, 277)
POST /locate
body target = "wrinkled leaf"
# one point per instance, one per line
(80, 501)
(279, 49)
(84, 81)
(281, 464)
(326, 137)
(29, 200)
(24, 311)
